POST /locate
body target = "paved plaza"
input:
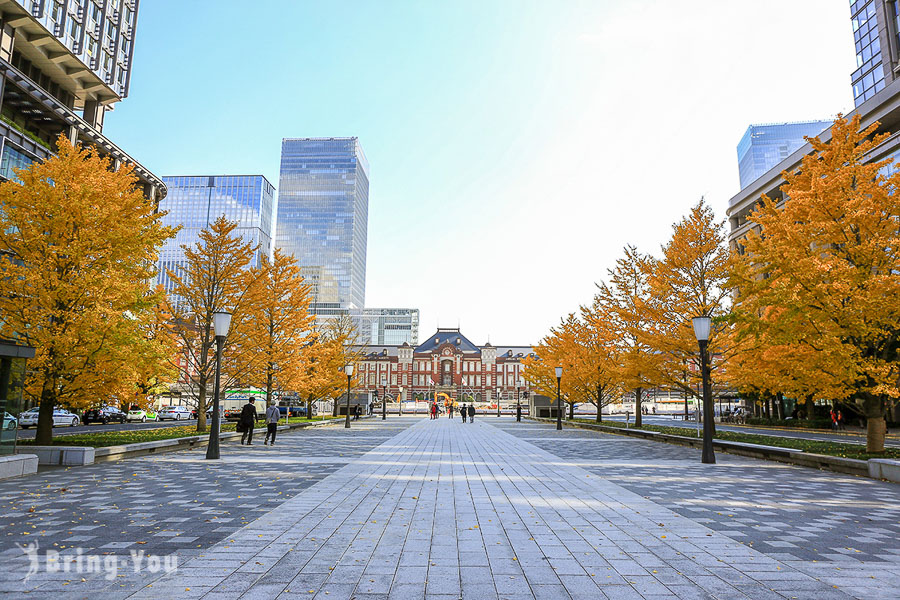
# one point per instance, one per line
(413, 508)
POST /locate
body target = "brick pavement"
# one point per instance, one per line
(446, 510)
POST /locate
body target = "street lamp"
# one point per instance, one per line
(400, 402)
(701, 330)
(558, 400)
(221, 323)
(349, 371)
(384, 399)
(518, 404)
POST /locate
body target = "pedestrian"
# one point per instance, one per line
(450, 412)
(248, 421)
(434, 410)
(356, 412)
(471, 413)
(273, 414)
(463, 413)
(834, 421)
(840, 420)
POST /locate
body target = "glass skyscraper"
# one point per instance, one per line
(764, 146)
(323, 214)
(195, 202)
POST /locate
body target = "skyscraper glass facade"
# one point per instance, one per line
(764, 146)
(194, 202)
(323, 214)
(387, 326)
(868, 78)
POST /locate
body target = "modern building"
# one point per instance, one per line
(764, 146)
(447, 362)
(323, 213)
(875, 25)
(64, 65)
(387, 326)
(195, 201)
(876, 36)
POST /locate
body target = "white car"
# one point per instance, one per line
(9, 421)
(61, 417)
(176, 413)
(29, 418)
(143, 416)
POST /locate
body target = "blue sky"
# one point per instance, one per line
(515, 146)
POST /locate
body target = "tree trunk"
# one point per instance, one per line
(309, 403)
(201, 407)
(269, 380)
(637, 406)
(780, 398)
(44, 435)
(599, 404)
(571, 411)
(875, 431)
(876, 427)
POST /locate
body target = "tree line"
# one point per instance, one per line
(804, 305)
(79, 253)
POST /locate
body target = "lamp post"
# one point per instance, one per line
(400, 402)
(384, 399)
(518, 404)
(701, 330)
(558, 400)
(221, 323)
(349, 372)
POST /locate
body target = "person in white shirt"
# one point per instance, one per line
(272, 416)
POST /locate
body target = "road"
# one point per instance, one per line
(847, 437)
(28, 434)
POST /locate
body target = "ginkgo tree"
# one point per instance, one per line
(215, 277)
(690, 279)
(79, 242)
(820, 276)
(626, 297)
(277, 324)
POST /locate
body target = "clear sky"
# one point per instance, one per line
(515, 146)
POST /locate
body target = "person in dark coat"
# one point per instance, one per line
(248, 421)
(463, 413)
(471, 413)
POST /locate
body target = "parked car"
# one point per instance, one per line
(297, 411)
(29, 418)
(9, 421)
(139, 414)
(60, 417)
(103, 415)
(176, 413)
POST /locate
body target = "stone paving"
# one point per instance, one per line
(446, 510)
(177, 502)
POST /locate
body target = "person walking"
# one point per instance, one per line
(834, 421)
(471, 413)
(463, 413)
(450, 411)
(840, 420)
(248, 421)
(272, 417)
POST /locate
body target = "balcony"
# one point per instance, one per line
(49, 117)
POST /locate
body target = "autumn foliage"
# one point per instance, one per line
(79, 243)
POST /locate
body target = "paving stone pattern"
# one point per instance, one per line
(788, 512)
(177, 502)
(446, 510)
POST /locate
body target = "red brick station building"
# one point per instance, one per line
(446, 362)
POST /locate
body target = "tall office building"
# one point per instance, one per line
(323, 213)
(387, 326)
(194, 202)
(64, 64)
(876, 35)
(764, 146)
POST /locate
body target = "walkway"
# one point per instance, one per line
(447, 510)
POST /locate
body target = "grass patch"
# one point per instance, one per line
(843, 450)
(135, 436)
